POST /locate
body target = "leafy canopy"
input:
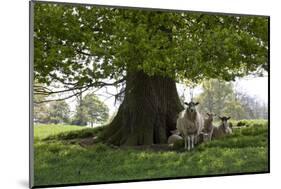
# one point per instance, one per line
(80, 46)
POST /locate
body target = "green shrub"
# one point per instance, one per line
(241, 123)
(249, 123)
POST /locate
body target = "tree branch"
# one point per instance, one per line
(99, 84)
(60, 99)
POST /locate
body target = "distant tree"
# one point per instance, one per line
(264, 111)
(58, 112)
(252, 106)
(219, 97)
(40, 110)
(235, 109)
(96, 111)
(79, 117)
(90, 110)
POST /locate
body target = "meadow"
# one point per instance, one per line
(63, 155)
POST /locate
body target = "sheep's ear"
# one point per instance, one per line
(196, 103)
(175, 132)
(208, 114)
(186, 103)
(228, 118)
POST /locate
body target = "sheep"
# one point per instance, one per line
(203, 137)
(208, 126)
(190, 124)
(174, 137)
(224, 129)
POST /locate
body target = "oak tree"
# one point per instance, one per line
(146, 52)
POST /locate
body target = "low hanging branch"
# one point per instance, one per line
(60, 99)
(41, 90)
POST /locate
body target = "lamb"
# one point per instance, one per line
(208, 126)
(174, 137)
(190, 124)
(203, 137)
(224, 129)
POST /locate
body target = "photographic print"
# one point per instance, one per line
(124, 94)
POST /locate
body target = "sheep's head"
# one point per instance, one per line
(175, 132)
(191, 107)
(211, 116)
(225, 125)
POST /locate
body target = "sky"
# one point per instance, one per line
(255, 87)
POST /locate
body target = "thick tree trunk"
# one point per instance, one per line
(148, 112)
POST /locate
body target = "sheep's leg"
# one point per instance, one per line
(196, 138)
(192, 141)
(210, 135)
(188, 141)
(185, 140)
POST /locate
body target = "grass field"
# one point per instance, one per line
(59, 159)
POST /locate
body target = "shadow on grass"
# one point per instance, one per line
(57, 162)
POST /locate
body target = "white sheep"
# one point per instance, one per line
(208, 126)
(190, 124)
(203, 137)
(223, 129)
(174, 138)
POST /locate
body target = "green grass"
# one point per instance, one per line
(44, 131)
(58, 162)
(248, 123)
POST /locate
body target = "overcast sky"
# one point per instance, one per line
(255, 87)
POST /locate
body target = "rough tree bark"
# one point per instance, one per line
(148, 112)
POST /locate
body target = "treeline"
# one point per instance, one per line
(220, 97)
(88, 111)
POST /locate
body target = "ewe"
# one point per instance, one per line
(174, 137)
(190, 123)
(223, 129)
(208, 126)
